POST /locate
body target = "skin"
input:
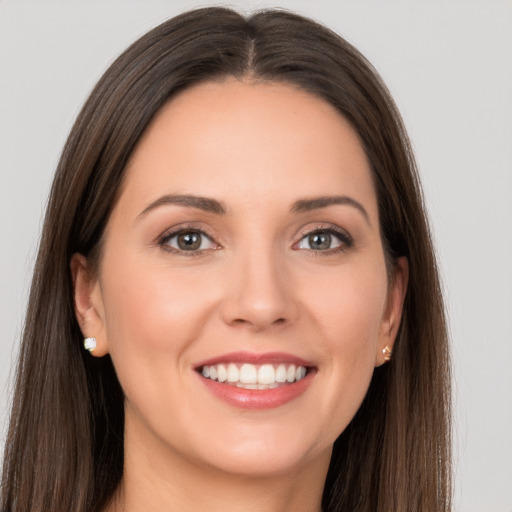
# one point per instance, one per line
(255, 285)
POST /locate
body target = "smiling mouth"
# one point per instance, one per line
(256, 381)
(254, 376)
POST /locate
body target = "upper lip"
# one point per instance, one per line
(256, 359)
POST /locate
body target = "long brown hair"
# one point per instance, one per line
(64, 449)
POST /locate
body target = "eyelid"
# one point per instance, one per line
(342, 234)
(170, 233)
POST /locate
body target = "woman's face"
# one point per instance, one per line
(244, 250)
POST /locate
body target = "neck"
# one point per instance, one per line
(155, 480)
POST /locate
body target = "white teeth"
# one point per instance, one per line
(256, 386)
(266, 374)
(250, 376)
(222, 373)
(281, 373)
(246, 386)
(233, 373)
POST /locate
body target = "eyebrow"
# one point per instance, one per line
(314, 203)
(210, 205)
(202, 203)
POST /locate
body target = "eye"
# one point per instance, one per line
(324, 240)
(189, 240)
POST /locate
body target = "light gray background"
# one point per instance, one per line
(448, 65)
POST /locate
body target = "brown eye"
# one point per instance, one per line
(188, 241)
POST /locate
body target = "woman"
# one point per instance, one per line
(235, 290)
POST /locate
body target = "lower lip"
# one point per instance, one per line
(258, 399)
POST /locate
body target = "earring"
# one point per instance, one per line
(90, 344)
(387, 352)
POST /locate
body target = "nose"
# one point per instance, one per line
(260, 293)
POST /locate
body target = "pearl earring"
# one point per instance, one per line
(90, 344)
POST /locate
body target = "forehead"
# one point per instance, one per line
(248, 140)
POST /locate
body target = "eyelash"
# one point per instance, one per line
(346, 241)
(164, 239)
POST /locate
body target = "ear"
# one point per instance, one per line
(393, 313)
(89, 309)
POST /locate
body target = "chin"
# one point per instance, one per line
(263, 453)
(261, 464)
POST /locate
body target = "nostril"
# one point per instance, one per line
(242, 321)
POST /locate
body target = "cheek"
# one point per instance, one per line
(349, 318)
(152, 317)
(351, 311)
